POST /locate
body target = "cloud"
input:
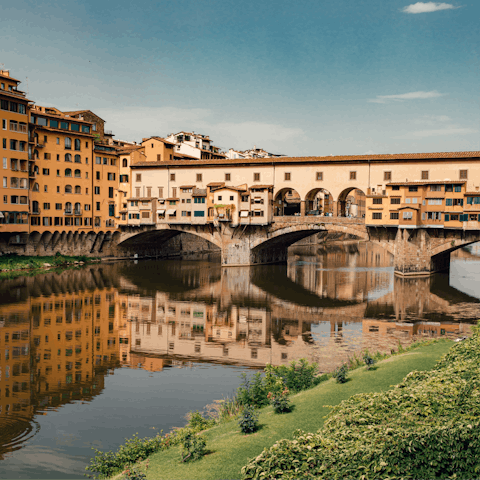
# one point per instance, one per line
(406, 96)
(451, 130)
(427, 7)
(431, 119)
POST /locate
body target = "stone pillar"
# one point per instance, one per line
(302, 208)
(238, 253)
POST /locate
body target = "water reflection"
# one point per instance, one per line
(62, 335)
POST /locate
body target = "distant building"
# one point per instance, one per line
(194, 145)
(252, 153)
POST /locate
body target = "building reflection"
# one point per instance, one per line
(62, 334)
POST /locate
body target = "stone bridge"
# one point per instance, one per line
(416, 251)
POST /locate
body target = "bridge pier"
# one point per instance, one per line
(235, 254)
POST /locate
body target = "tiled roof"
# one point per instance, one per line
(199, 192)
(329, 159)
(78, 112)
(16, 95)
(471, 193)
(160, 139)
(428, 182)
(260, 187)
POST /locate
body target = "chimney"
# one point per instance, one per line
(5, 72)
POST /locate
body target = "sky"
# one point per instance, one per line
(299, 78)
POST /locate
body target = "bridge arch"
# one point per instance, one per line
(351, 202)
(319, 200)
(287, 201)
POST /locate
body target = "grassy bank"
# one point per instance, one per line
(229, 450)
(13, 265)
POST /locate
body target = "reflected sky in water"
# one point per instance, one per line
(91, 356)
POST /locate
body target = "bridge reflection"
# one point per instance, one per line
(61, 334)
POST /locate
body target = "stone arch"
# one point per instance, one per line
(45, 240)
(287, 201)
(319, 200)
(351, 202)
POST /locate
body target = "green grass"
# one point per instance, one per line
(229, 450)
(14, 265)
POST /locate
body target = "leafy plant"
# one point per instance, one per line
(193, 446)
(252, 391)
(280, 401)
(198, 422)
(248, 419)
(340, 374)
(369, 361)
(134, 473)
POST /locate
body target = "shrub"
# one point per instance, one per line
(428, 426)
(340, 374)
(248, 419)
(198, 422)
(134, 473)
(193, 446)
(280, 401)
(252, 390)
(369, 361)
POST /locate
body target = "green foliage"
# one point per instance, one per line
(134, 473)
(248, 421)
(280, 401)
(252, 390)
(198, 422)
(340, 374)
(193, 446)
(369, 361)
(428, 426)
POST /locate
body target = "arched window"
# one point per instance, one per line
(77, 173)
(35, 207)
(36, 187)
(68, 207)
(68, 143)
(36, 155)
(77, 144)
(68, 157)
(78, 189)
(78, 207)
(78, 159)
(68, 172)
(68, 189)
(125, 162)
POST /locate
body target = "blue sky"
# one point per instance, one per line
(299, 78)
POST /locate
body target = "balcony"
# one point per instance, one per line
(31, 174)
(68, 212)
(36, 211)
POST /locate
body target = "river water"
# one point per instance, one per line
(92, 356)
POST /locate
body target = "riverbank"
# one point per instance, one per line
(229, 450)
(12, 265)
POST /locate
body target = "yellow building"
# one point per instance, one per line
(14, 114)
(61, 182)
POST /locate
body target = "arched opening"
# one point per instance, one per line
(351, 203)
(319, 201)
(287, 202)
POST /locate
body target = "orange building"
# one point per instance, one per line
(16, 167)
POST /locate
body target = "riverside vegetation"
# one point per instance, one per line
(165, 451)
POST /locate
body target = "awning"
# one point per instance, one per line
(171, 211)
(161, 212)
(244, 213)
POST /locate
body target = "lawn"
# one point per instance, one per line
(229, 450)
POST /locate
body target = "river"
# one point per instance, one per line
(93, 355)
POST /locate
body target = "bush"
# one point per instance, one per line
(193, 446)
(369, 361)
(134, 473)
(249, 419)
(198, 422)
(252, 391)
(280, 401)
(428, 426)
(340, 374)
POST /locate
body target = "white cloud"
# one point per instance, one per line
(427, 7)
(451, 130)
(406, 96)
(431, 119)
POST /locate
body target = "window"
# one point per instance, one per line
(105, 160)
(453, 202)
(319, 176)
(174, 192)
(231, 198)
(78, 189)
(98, 160)
(395, 201)
(68, 189)
(387, 176)
(96, 190)
(46, 171)
(463, 175)
(46, 206)
(124, 163)
(97, 206)
(77, 143)
(256, 177)
(377, 216)
(160, 192)
(458, 188)
(435, 188)
(110, 192)
(68, 143)
(199, 200)
(377, 201)
(64, 125)
(68, 157)
(68, 172)
(111, 176)
(199, 177)
(75, 127)
(78, 159)
(435, 201)
(228, 177)
(413, 189)
(219, 198)
(185, 213)
(288, 176)
(424, 174)
(394, 216)
(199, 214)
(85, 129)
(58, 206)
(407, 215)
(172, 177)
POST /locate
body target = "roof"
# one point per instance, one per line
(471, 193)
(199, 192)
(187, 186)
(402, 157)
(17, 95)
(215, 184)
(260, 187)
(235, 189)
(61, 115)
(78, 112)
(9, 77)
(160, 139)
(125, 150)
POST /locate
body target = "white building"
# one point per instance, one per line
(195, 145)
(252, 153)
